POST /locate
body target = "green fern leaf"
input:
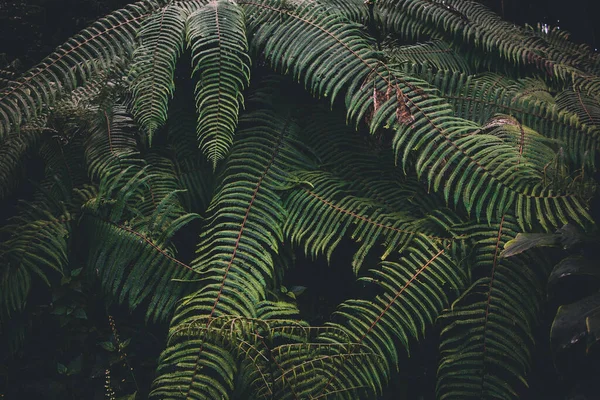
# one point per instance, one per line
(216, 35)
(95, 49)
(132, 256)
(487, 335)
(414, 293)
(236, 252)
(162, 37)
(472, 23)
(320, 216)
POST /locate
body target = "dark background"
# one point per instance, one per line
(580, 17)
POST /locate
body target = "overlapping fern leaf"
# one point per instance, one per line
(36, 242)
(137, 209)
(472, 165)
(482, 168)
(93, 50)
(481, 98)
(487, 334)
(162, 38)
(415, 288)
(474, 24)
(235, 259)
(436, 55)
(193, 170)
(216, 36)
(322, 213)
(134, 258)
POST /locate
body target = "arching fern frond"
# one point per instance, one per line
(94, 49)
(111, 145)
(38, 241)
(12, 154)
(479, 100)
(366, 164)
(193, 171)
(436, 54)
(487, 334)
(415, 290)
(354, 10)
(324, 50)
(474, 24)
(476, 172)
(35, 244)
(216, 35)
(235, 256)
(585, 106)
(321, 214)
(135, 261)
(459, 159)
(162, 38)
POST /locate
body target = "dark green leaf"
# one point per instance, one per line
(569, 326)
(108, 346)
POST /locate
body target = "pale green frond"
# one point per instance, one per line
(236, 249)
(161, 38)
(216, 34)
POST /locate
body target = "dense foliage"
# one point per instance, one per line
(181, 168)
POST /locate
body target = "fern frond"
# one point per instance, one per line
(111, 145)
(475, 166)
(135, 261)
(321, 214)
(436, 54)
(474, 24)
(585, 106)
(479, 100)
(217, 37)
(193, 171)
(415, 290)
(94, 49)
(163, 184)
(38, 242)
(354, 10)
(487, 334)
(485, 171)
(162, 36)
(235, 253)
(366, 164)
(13, 151)
(310, 42)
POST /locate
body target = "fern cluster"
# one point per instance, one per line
(161, 130)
